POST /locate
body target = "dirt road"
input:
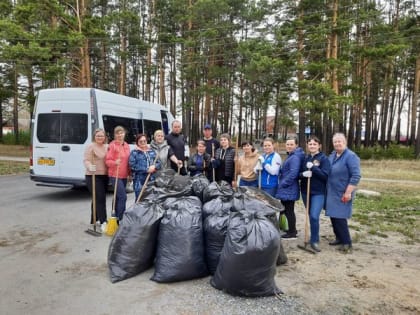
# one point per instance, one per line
(48, 265)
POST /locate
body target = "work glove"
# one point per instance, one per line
(307, 174)
(92, 168)
(151, 169)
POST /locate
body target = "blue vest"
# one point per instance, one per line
(268, 180)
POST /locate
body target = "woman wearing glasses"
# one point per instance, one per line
(94, 160)
(142, 162)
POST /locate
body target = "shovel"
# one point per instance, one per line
(213, 170)
(306, 245)
(145, 182)
(93, 231)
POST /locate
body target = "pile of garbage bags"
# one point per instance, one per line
(188, 228)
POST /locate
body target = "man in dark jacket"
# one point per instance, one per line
(176, 141)
(212, 144)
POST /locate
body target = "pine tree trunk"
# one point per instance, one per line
(416, 104)
(16, 106)
(162, 94)
(123, 64)
(300, 78)
(334, 54)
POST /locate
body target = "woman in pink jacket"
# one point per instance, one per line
(94, 160)
(118, 169)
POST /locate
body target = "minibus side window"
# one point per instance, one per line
(133, 127)
(150, 126)
(165, 123)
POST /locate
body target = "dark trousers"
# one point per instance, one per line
(101, 186)
(120, 196)
(341, 230)
(289, 211)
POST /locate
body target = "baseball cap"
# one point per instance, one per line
(207, 126)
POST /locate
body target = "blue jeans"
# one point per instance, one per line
(251, 183)
(120, 196)
(316, 202)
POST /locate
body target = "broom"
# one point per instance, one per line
(93, 231)
(112, 225)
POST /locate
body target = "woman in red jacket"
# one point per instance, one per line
(118, 170)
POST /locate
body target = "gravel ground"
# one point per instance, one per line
(48, 265)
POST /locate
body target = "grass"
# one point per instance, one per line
(14, 150)
(12, 167)
(397, 209)
(391, 169)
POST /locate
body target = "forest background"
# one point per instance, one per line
(332, 65)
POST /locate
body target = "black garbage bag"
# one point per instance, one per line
(199, 183)
(180, 250)
(168, 184)
(181, 183)
(215, 229)
(253, 199)
(247, 265)
(133, 247)
(260, 197)
(220, 203)
(215, 190)
(164, 177)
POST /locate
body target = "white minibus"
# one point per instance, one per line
(64, 120)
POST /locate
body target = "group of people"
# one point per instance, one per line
(332, 179)
(325, 182)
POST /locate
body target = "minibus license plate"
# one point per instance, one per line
(46, 161)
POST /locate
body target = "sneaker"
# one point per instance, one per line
(335, 242)
(345, 248)
(103, 227)
(289, 236)
(315, 247)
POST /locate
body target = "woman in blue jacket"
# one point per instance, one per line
(288, 189)
(270, 163)
(342, 181)
(142, 162)
(316, 166)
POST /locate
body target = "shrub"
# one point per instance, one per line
(392, 151)
(24, 138)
